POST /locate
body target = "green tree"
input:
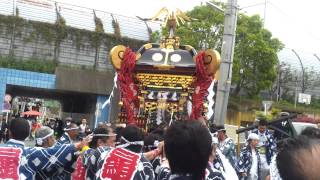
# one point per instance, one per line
(205, 31)
(255, 48)
(255, 53)
(310, 79)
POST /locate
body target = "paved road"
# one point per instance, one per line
(30, 143)
(231, 132)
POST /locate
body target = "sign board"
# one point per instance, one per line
(267, 104)
(80, 170)
(6, 103)
(304, 98)
(10, 162)
(120, 164)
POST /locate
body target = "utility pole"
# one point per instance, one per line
(228, 42)
(278, 82)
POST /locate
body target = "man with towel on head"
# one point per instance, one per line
(71, 133)
(103, 139)
(20, 162)
(249, 163)
(226, 145)
(126, 161)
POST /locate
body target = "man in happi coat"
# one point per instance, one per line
(266, 147)
(226, 145)
(20, 162)
(71, 132)
(125, 161)
(45, 138)
(103, 138)
(188, 148)
(221, 163)
(151, 143)
(249, 163)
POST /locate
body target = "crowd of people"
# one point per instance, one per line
(3, 129)
(184, 150)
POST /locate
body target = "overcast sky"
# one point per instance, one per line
(295, 23)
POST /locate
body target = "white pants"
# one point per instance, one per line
(264, 170)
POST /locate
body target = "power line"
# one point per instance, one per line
(252, 5)
(311, 34)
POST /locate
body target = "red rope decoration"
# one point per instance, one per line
(128, 89)
(201, 85)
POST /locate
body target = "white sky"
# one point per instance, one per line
(295, 23)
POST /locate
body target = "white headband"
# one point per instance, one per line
(69, 129)
(128, 143)
(214, 140)
(155, 144)
(104, 135)
(39, 141)
(253, 136)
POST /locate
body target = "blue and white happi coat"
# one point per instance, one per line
(156, 164)
(81, 171)
(210, 174)
(64, 139)
(274, 172)
(228, 149)
(270, 144)
(20, 162)
(90, 159)
(217, 162)
(97, 160)
(63, 173)
(222, 164)
(69, 168)
(245, 161)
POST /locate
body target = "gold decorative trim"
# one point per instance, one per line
(167, 81)
(116, 55)
(148, 46)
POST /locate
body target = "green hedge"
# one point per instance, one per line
(287, 106)
(53, 32)
(36, 65)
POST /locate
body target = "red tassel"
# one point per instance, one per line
(201, 85)
(128, 89)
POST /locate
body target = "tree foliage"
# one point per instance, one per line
(310, 79)
(255, 53)
(286, 82)
(255, 48)
(205, 31)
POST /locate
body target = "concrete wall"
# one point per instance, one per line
(25, 39)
